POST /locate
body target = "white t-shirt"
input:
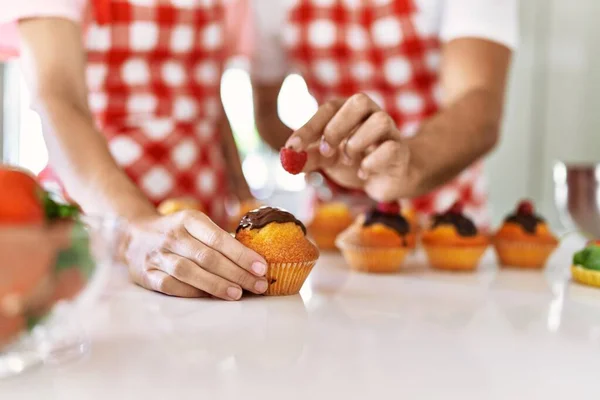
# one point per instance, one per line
(494, 20)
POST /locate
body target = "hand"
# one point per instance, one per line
(187, 255)
(359, 146)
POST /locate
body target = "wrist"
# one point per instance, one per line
(417, 178)
(120, 196)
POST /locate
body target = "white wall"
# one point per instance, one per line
(553, 105)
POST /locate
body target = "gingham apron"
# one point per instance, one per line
(153, 74)
(389, 50)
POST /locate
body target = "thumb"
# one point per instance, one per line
(316, 160)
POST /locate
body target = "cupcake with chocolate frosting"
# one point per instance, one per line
(238, 210)
(453, 242)
(524, 239)
(377, 241)
(281, 239)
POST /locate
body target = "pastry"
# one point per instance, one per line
(171, 206)
(586, 265)
(453, 241)
(240, 210)
(412, 217)
(524, 239)
(329, 220)
(281, 239)
(377, 241)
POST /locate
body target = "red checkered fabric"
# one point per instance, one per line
(154, 69)
(384, 49)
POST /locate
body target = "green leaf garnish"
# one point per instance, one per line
(55, 210)
(35, 320)
(588, 258)
(79, 254)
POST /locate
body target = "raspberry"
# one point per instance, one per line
(525, 207)
(389, 208)
(457, 208)
(292, 161)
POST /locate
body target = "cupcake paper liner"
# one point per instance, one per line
(512, 253)
(383, 260)
(585, 276)
(287, 278)
(454, 258)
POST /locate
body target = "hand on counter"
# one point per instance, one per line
(186, 254)
(358, 145)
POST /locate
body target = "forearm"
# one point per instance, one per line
(274, 132)
(80, 156)
(237, 181)
(453, 139)
(270, 127)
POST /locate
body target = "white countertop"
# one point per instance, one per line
(495, 334)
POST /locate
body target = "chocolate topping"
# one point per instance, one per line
(263, 216)
(394, 221)
(528, 222)
(464, 226)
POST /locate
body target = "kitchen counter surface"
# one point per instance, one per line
(495, 334)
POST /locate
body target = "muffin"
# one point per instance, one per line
(453, 242)
(412, 217)
(171, 206)
(377, 241)
(329, 220)
(524, 239)
(241, 209)
(281, 239)
(586, 265)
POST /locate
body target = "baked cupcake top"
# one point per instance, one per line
(526, 225)
(453, 227)
(276, 235)
(382, 226)
(263, 216)
(588, 258)
(332, 215)
(171, 206)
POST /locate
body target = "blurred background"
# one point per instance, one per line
(551, 113)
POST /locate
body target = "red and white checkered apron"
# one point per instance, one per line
(381, 48)
(154, 69)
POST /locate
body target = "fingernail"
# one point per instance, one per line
(261, 286)
(234, 293)
(295, 143)
(325, 148)
(362, 174)
(259, 268)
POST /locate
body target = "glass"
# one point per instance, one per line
(49, 275)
